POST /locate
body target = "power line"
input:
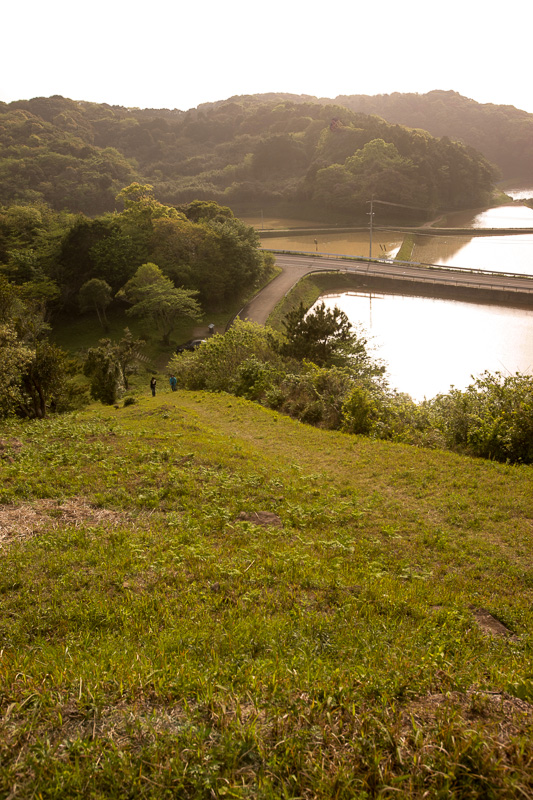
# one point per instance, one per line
(398, 205)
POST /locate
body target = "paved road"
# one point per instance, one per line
(294, 267)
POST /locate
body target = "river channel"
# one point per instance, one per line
(429, 344)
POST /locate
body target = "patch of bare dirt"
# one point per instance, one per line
(23, 521)
(129, 727)
(265, 518)
(9, 449)
(124, 725)
(490, 625)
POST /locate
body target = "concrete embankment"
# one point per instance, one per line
(429, 282)
(279, 233)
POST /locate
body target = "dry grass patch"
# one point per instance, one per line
(500, 714)
(128, 728)
(19, 522)
(124, 725)
(265, 519)
(490, 625)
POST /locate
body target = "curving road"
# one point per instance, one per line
(505, 287)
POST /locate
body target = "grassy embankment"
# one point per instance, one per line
(156, 644)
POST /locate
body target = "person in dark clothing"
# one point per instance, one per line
(152, 385)
(173, 382)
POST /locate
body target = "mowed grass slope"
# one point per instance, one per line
(157, 640)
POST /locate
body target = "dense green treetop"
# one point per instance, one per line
(245, 153)
(34, 373)
(504, 134)
(53, 158)
(155, 299)
(59, 259)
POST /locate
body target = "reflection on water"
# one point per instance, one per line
(505, 217)
(520, 192)
(273, 223)
(513, 253)
(511, 216)
(430, 345)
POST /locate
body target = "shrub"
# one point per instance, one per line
(253, 379)
(314, 395)
(492, 418)
(215, 365)
(400, 419)
(359, 411)
(274, 397)
(103, 369)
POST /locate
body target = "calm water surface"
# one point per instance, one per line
(431, 345)
(522, 191)
(512, 253)
(348, 244)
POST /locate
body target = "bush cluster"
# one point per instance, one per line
(492, 418)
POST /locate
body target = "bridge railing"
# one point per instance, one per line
(393, 262)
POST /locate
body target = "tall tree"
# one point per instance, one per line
(325, 336)
(128, 354)
(43, 380)
(156, 300)
(103, 368)
(109, 364)
(15, 358)
(33, 372)
(96, 294)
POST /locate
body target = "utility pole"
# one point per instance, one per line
(371, 223)
(385, 203)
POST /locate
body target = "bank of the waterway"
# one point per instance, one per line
(514, 291)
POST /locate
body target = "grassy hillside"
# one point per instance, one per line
(158, 640)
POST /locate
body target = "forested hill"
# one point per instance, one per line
(504, 134)
(258, 152)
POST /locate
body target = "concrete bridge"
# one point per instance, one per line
(387, 275)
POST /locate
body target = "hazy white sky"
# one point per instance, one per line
(176, 54)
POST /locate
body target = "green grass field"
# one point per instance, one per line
(158, 640)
